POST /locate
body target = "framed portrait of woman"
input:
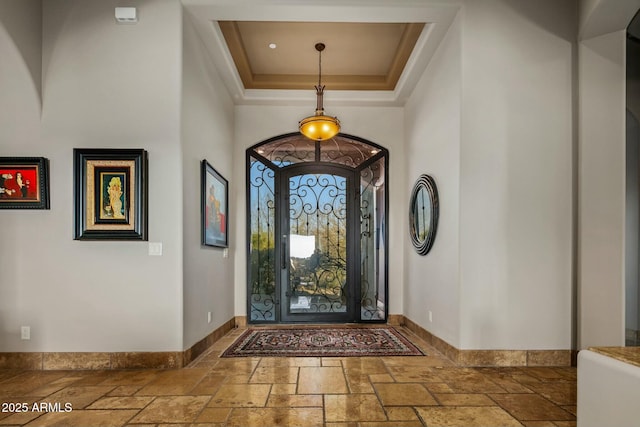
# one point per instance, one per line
(215, 205)
(24, 183)
(110, 194)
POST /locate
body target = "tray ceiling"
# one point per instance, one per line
(358, 55)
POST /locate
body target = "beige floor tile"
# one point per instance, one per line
(563, 393)
(550, 373)
(353, 407)
(295, 400)
(274, 374)
(283, 389)
(209, 385)
(173, 383)
(237, 366)
(466, 417)
(281, 417)
(319, 380)
(438, 387)
(28, 383)
(125, 402)
(406, 394)
(381, 378)
(419, 361)
(238, 379)
(54, 386)
(401, 413)
(241, 395)
(174, 409)
(132, 378)
(331, 361)
(166, 390)
(538, 424)
(359, 384)
(291, 361)
(125, 390)
(84, 418)
(465, 380)
(391, 424)
(531, 407)
(19, 418)
(79, 397)
(452, 399)
(213, 415)
(412, 374)
(364, 365)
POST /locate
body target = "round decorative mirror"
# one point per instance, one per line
(423, 214)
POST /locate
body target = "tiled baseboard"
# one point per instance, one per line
(178, 359)
(493, 357)
(119, 360)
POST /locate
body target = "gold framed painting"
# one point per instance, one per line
(110, 194)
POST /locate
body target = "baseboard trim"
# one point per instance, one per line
(491, 358)
(179, 359)
(118, 360)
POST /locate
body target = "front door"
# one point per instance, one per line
(316, 268)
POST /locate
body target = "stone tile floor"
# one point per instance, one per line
(316, 392)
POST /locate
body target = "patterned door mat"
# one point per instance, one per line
(325, 342)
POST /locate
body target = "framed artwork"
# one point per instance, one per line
(110, 194)
(215, 207)
(24, 183)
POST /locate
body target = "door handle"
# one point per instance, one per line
(283, 255)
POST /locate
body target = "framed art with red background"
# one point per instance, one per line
(24, 183)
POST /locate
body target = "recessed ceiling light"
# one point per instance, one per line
(272, 45)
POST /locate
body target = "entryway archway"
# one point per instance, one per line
(317, 238)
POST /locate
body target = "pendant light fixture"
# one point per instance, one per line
(319, 127)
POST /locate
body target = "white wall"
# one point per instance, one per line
(516, 174)
(110, 86)
(19, 136)
(602, 190)
(432, 129)
(22, 20)
(207, 133)
(492, 120)
(381, 125)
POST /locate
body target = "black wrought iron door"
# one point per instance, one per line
(317, 245)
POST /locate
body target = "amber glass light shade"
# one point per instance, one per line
(320, 127)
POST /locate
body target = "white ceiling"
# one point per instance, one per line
(298, 23)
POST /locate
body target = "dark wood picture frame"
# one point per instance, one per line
(24, 183)
(110, 189)
(214, 203)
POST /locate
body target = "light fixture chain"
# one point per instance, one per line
(320, 68)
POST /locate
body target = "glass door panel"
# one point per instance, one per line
(316, 271)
